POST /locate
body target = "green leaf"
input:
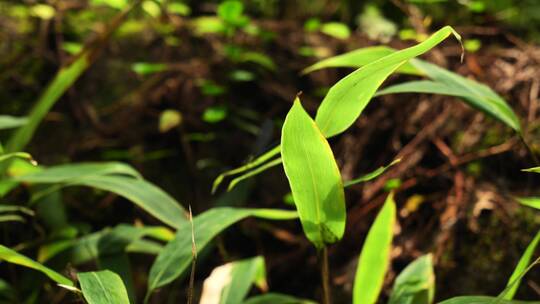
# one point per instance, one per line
(347, 99)
(169, 119)
(276, 298)
(147, 68)
(214, 114)
(371, 175)
(515, 279)
(117, 178)
(359, 58)
(336, 29)
(22, 155)
(533, 202)
(375, 255)
(61, 82)
(314, 178)
(14, 257)
(475, 94)
(483, 300)
(8, 122)
(177, 256)
(415, 284)
(231, 283)
(103, 287)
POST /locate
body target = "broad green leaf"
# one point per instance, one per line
(483, 300)
(230, 283)
(177, 256)
(420, 86)
(117, 178)
(533, 202)
(359, 58)
(103, 287)
(475, 94)
(14, 257)
(347, 99)
(371, 175)
(375, 255)
(515, 279)
(61, 82)
(8, 122)
(276, 298)
(314, 178)
(415, 284)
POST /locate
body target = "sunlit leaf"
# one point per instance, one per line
(415, 284)
(533, 202)
(515, 279)
(347, 99)
(375, 255)
(8, 122)
(483, 300)
(169, 119)
(177, 256)
(314, 178)
(14, 257)
(103, 287)
(372, 175)
(336, 29)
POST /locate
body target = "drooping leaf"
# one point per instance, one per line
(22, 155)
(533, 202)
(483, 300)
(347, 98)
(117, 178)
(372, 175)
(14, 257)
(415, 284)
(359, 58)
(375, 255)
(103, 287)
(314, 178)
(230, 283)
(276, 298)
(8, 122)
(177, 256)
(515, 279)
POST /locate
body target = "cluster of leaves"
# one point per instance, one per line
(312, 172)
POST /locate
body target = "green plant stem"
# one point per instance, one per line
(325, 276)
(530, 150)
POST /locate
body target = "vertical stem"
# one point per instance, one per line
(529, 149)
(325, 274)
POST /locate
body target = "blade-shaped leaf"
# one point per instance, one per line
(176, 256)
(103, 287)
(314, 178)
(359, 58)
(533, 202)
(371, 175)
(515, 279)
(374, 258)
(415, 284)
(483, 300)
(347, 99)
(14, 257)
(276, 298)
(117, 178)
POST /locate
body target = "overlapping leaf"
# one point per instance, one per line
(314, 178)
(415, 284)
(103, 287)
(375, 255)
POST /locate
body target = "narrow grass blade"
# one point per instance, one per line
(371, 175)
(415, 284)
(375, 255)
(347, 99)
(483, 300)
(103, 287)
(359, 58)
(14, 257)
(66, 173)
(176, 256)
(314, 178)
(249, 166)
(21, 155)
(254, 172)
(533, 202)
(515, 279)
